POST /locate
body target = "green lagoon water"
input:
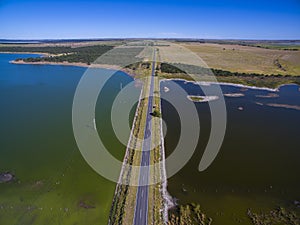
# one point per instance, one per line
(258, 165)
(38, 146)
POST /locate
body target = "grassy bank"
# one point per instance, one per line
(156, 192)
(181, 71)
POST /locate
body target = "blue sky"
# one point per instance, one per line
(49, 19)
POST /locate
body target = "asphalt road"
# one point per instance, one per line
(141, 206)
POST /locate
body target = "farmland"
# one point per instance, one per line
(247, 59)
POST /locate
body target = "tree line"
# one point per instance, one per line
(85, 54)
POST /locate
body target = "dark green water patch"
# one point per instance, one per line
(258, 163)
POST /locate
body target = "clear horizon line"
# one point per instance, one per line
(149, 38)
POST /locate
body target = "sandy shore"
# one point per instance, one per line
(207, 83)
(36, 53)
(100, 66)
(103, 66)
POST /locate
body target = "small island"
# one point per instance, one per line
(199, 98)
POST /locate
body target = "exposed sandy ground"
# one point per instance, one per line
(39, 53)
(104, 66)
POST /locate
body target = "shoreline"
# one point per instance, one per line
(77, 64)
(130, 73)
(100, 66)
(33, 53)
(125, 161)
(207, 83)
(164, 187)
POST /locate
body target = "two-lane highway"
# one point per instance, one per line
(141, 206)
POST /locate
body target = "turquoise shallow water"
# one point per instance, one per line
(38, 146)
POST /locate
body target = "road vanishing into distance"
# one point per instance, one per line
(141, 206)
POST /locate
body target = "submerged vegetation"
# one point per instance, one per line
(188, 214)
(191, 214)
(276, 216)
